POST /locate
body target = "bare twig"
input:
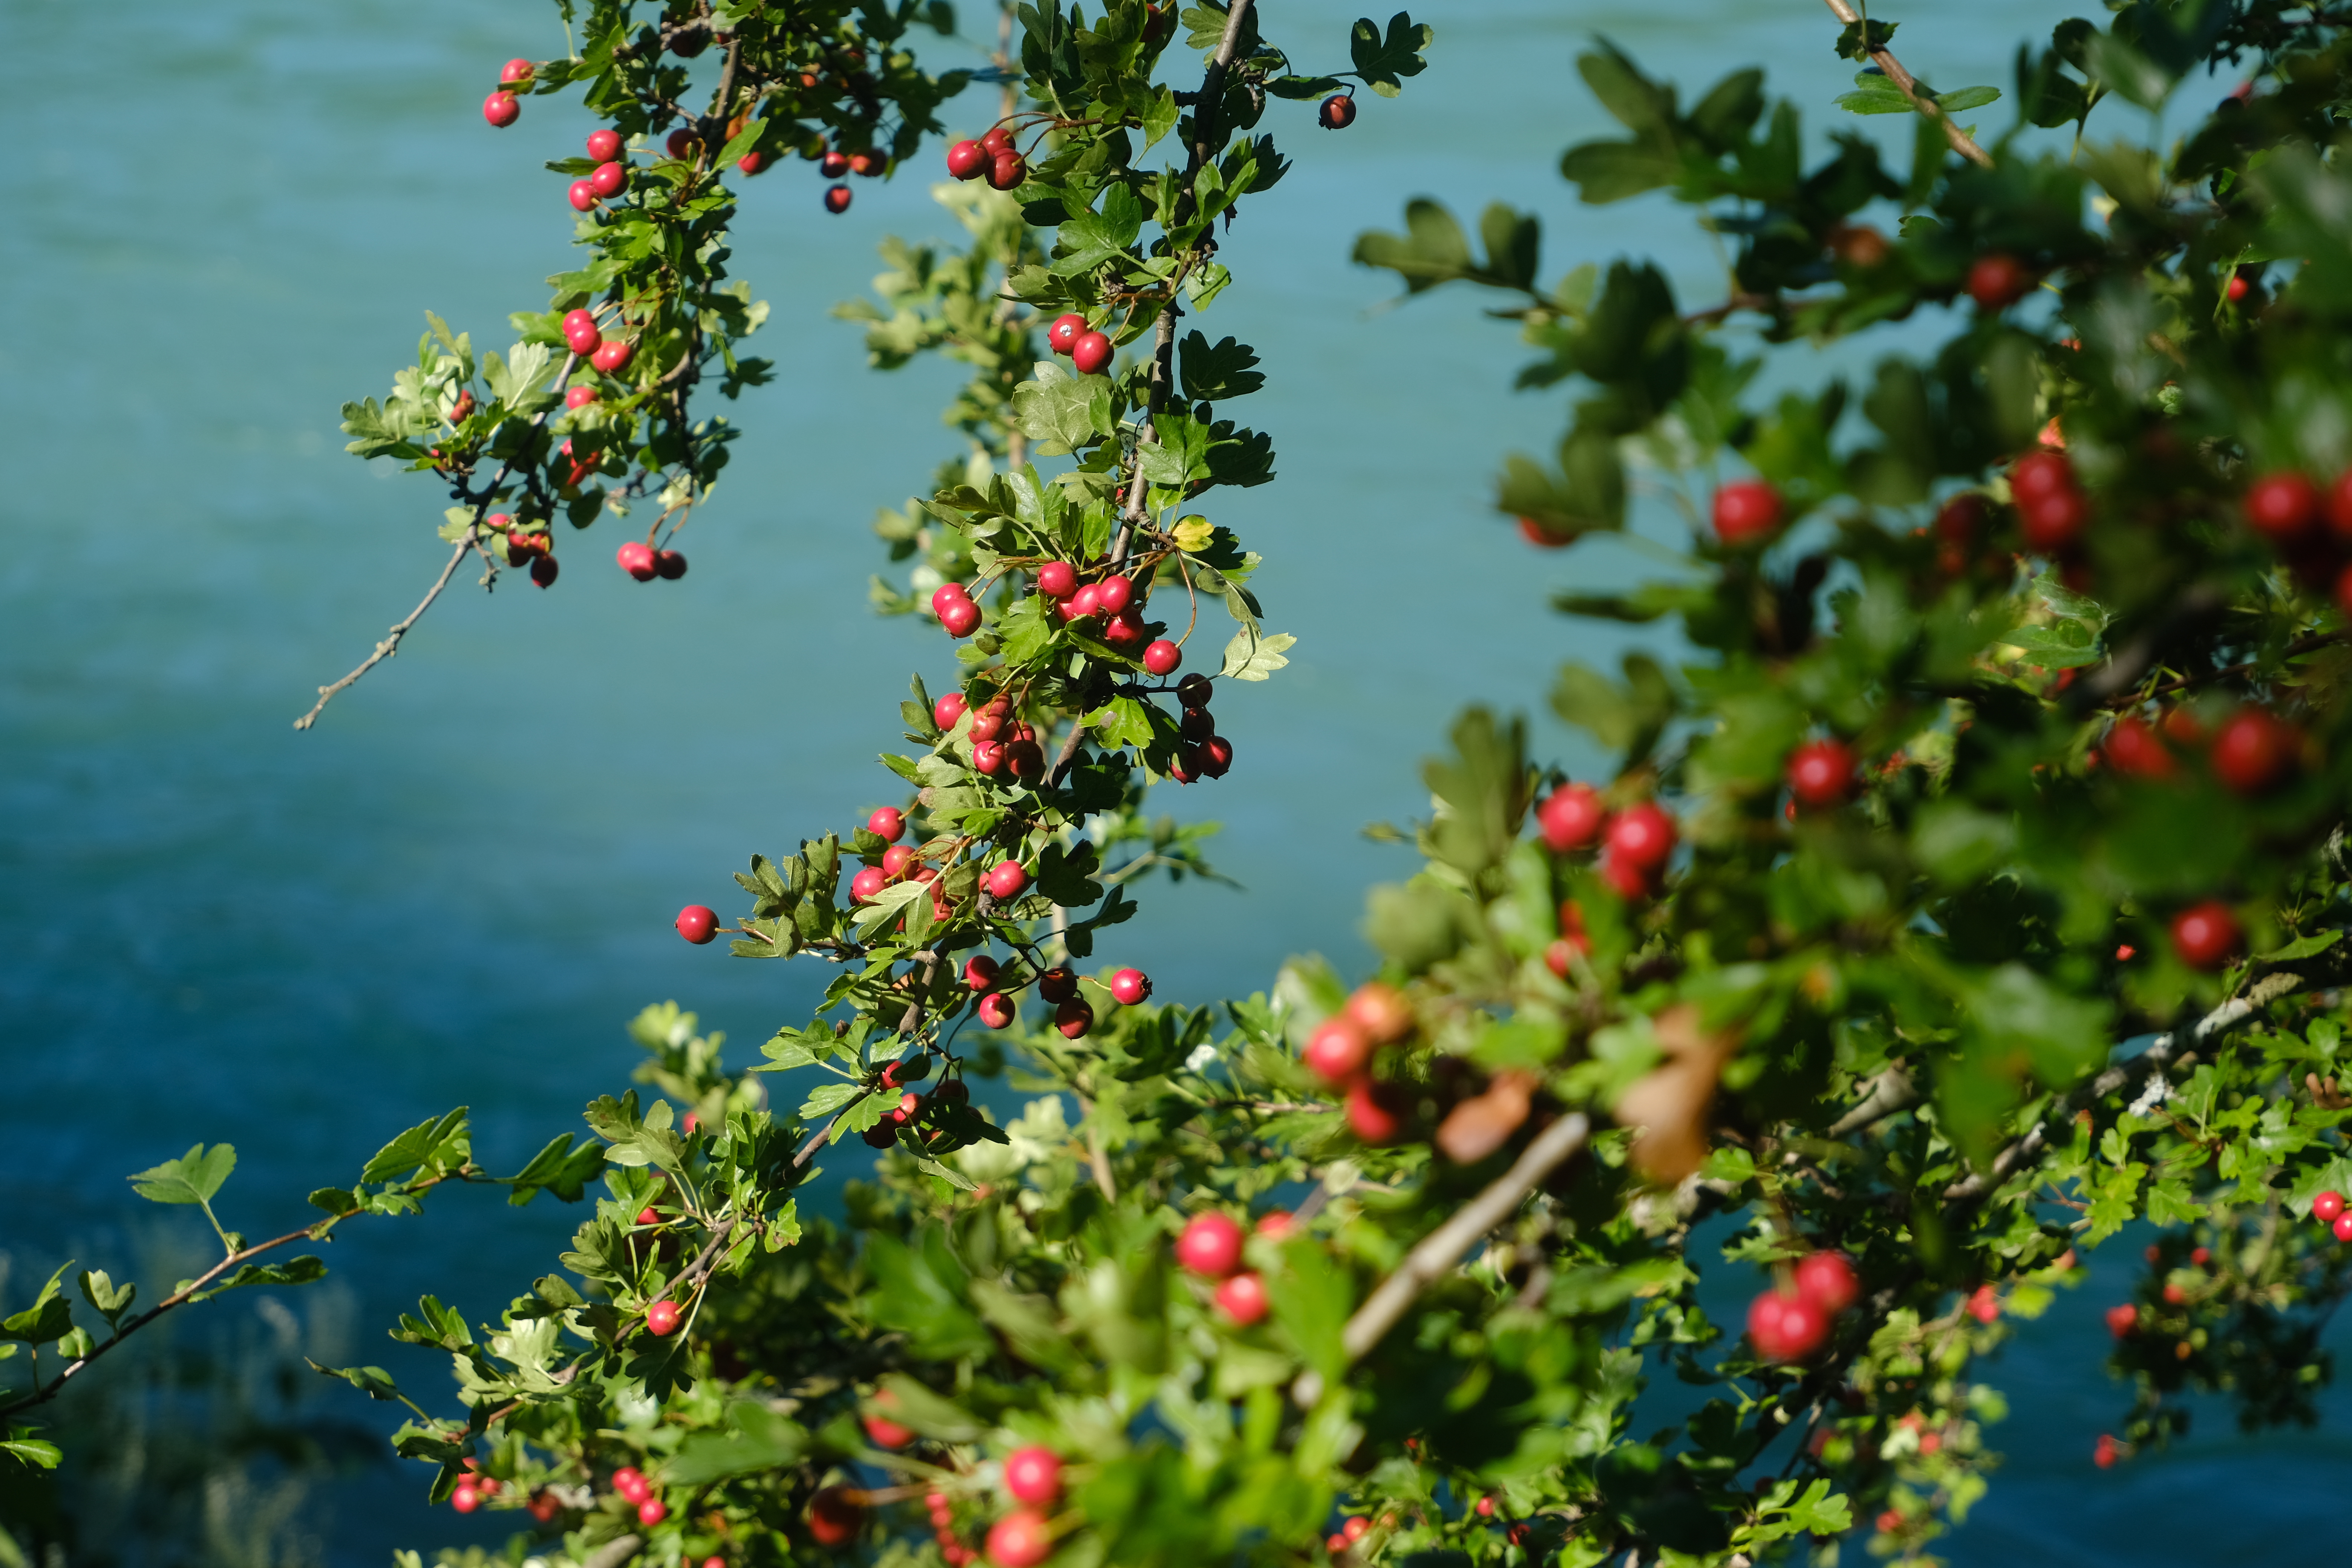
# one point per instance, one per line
(1442, 1249)
(613, 1552)
(1891, 1091)
(1962, 143)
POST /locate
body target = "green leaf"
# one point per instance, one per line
(50, 1316)
(33, 1451)
(438, 1147)
(192, 1178)
(1062, 412)
(1381, 59)
(1250, 656)
(1216, 372)
(761, 1440)
(102, 1293)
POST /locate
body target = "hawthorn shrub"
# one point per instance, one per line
(1970, 884)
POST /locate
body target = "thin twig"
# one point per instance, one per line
(1442, 1249)
(1962, 143)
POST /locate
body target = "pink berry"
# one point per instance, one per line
(583, 195)
(1073, 1018)
(1006, 879)
(1826, 1278)
(1746, 511)
(610, 356)
(661, 1319)
(895, 858)
(996, 1011)
(1113, 594)
(980, 972)
(2122, 1319)
(1786, 1328)
(1033, 1475)
(2326, 1207)
(698, 923)
(1642, 837)
(961, 618)
(609, 179)
(501, 109)
(948, 710)
(652, 1511)
(1020, 1539)
(1129, 987)
(603, 146)
(2343, 1228)
(579, 396)
(1242, 1299)
(888, 822)
(465, 1500)
(752, 163)
(865, 887)
(1210, 1246)
(1163, 657)
(1064, 332)
(636, 558)
(1089, 352)
(517, 70)
(1057, 580)
(1570, 818)
(1821, 773)
(1339, 1050)
(2282, 505)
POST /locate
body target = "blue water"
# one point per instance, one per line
(226, 219)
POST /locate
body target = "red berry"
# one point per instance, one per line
(636, 558)
(948, 593)
(1194, 690)
(836, 198)
(833, 164)
(698, 923)
(579, 396)
(2055, 521)
(1210, 1246)
(1961, 518)
(884, 1432)
(2343, 1228)
(1998, 279)
(1007, 170)
(668, 565)
(1020, 1539)
(1337, 113)
(1057, 580)
(465, 1500)
(2252, 751)
(968, 160)
(604, 146)
(887, 822)
(961, 618)
(752, 163)
(980, 972)
(2205, 936)
(881, 1136)
(1089, 352)
(1033, 1475)
(1570, 818)
(833, 1516)
(1356, 1528)
(1129, 987)
(1984, 1305)
(1083, 605)
(948, 710)
(988, 756)
(2105, 1451)
(2038, 475)
(894, 860)
(1242, 1299)
(501, 109)
(1276, 1223)
(1543, 538)
(629, 1483)
(543, 570)
(2327, 1205)
(1006, 880)
(544, 1506)
(1073, 1018)
(2282, 505)
(2122, 1319)
(866, 165)
(1786, 1328)
(1746, 510)
(517, 70)
(1057, 984)
(865, 887)
(1642, 837)
(1376, 1112)
(2236, 287)
(610, 356)
(582, 194)
(2134, 750)
(680, 145)
(1065, 332)
(1338, 1051)
(997, 139)
(1113, 594)
(996, 1011)
(1821, 773)
(1216, 756)
(661, 1319)
(1163, 657)
(1826, 1278)
(652, 1511)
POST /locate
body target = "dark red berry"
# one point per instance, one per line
(2252, 751)
(1998, 279)
(1746, 510)
(968, 160)
(2282, 505)
(836, 198)
(1194, 690)
(1821, 773)
(996, 1011)
(1089, 352)
(501, 109)
(1073, 1018)
(1008, 171)
(668, 565)
(1338, 113)
(698, 923)
(543, 570)
(1057, 984)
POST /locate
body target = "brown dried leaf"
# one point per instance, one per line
(1670, 1103)
(1484, 1123)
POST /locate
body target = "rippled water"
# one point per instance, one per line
(224, 219)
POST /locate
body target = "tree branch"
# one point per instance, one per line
(391, 644)
(1962, 143)
(1442, 1249)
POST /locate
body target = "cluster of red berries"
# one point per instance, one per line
(912, 1110)
(1635, 842)
(524, 547)
(502, 108)
(1209, 1247)
(2310, 527)
(1790, 1321)
(644, 563)
(1000, 742)
(630, 1484)
(2051, 509)
(1087, 351)
(609, 178)
(1023, 1537)
(1356, 1526)
(2251, 751)
(1201, 752)
(992, 158)
(1340, 1051)
(474, 1489)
